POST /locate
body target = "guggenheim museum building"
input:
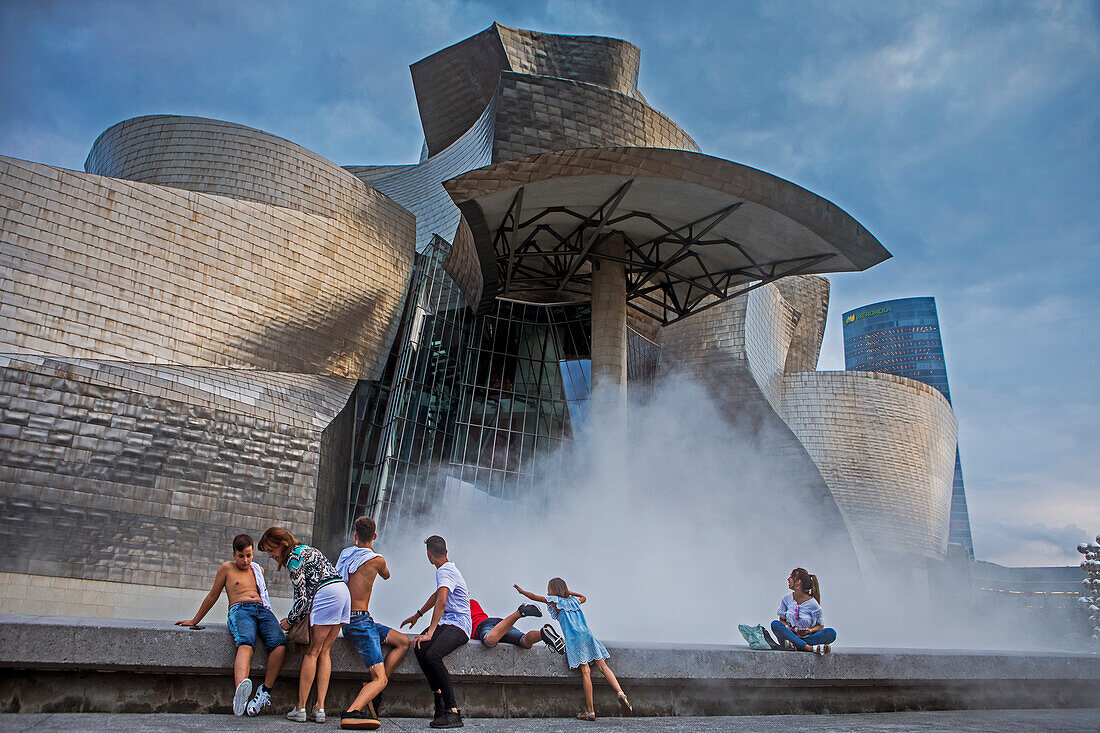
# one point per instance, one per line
(211, 329)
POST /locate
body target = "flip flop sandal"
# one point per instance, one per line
(624, 704)
(586, 716)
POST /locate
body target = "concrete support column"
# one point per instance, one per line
(609, 324)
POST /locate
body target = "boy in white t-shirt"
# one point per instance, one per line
(449, 629)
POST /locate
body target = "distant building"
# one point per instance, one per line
(903, 337)
(1031, 587)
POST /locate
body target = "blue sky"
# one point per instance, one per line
(964, 135)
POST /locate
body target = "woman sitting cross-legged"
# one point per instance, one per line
(799, 625)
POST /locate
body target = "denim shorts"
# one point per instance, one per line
(511, 636)
(366, 637)
(248, 618)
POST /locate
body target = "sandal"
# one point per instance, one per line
(624, 704)
(586, 716)
(821, 649)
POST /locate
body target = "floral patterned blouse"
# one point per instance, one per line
(309, 570)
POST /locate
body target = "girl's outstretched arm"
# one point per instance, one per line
(579, 596)
(530, 595)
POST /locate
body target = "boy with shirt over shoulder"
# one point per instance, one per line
(249, 614)
(359, 565)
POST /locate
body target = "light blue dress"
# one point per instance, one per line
(580, 645)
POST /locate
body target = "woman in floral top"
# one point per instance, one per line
(320, 593)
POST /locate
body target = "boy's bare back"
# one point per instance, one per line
(361, 582)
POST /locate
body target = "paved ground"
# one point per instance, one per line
(968, 721)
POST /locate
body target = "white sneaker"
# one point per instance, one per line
(318, 715)
(298, 715)
(241, 695)
(259, 702)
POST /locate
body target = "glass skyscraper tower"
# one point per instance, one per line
(903, 337)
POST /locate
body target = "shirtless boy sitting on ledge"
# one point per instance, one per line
(249, 614)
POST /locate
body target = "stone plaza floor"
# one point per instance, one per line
(968, 721)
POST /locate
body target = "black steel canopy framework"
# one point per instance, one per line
(689, 230)
(667, 275)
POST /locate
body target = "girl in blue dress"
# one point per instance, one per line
(581, 647)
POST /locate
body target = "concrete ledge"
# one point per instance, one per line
(54, 664)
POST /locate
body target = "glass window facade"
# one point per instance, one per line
(474, 408)
(527, 373)
(903, 337)
(405, 424)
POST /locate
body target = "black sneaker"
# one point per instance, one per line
(449, 719)
(529, 609)
(771, 642)
(552, 638)
(358, 720)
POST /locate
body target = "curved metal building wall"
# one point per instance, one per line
(902, 337)
(885, 446)
(199, 329)
(184, 325)
(738, 350)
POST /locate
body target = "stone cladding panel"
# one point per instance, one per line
(455, 85)
(886, 447)
(135, 473)
(769, 326)
(809, 296)
(330, 515)
(227, 159)
(463, 265)
(96, 267)
(419, 188)
(713, 348)
(536, 114)
(605, 62)
(41, 595)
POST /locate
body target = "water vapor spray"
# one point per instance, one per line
(676, 535)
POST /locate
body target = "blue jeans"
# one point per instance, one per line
(247, 619)
(783, 633)
(511, 636)
(366, 637)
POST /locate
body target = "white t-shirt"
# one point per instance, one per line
(800, 616)
(457, 610)
(352, 558)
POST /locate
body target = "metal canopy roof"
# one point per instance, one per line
(697, 230)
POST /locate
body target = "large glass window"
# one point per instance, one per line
(474, 409)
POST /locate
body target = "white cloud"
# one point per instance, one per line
(970, 66)
(1029, 544)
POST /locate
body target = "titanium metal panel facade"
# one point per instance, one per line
(885, 445)
(178, 354)
(212, 329)
(903, 337)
